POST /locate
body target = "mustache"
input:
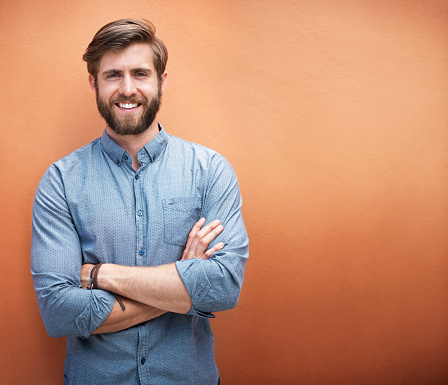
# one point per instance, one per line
(129, 99)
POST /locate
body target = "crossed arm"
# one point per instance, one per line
(211, 285)
(149, 292)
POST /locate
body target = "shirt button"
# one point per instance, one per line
(140, 213)
(137, 177)
(125, 157)
(141, 252)
(143, 360)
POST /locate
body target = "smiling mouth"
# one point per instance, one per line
(128, 106)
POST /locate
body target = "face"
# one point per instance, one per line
(128, 91)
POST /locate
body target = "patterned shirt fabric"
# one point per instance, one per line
(92, 207)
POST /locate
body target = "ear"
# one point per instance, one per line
(92, 83)
(163, 80)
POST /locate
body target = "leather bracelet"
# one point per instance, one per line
(120, 302)
(94, 284)
(94, 276)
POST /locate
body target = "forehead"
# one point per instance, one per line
(137, 55)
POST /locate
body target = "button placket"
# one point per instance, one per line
(139, 223)
(143, 352)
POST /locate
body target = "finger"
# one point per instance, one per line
(200, 238)
(197, 244)
(195, 229)
(208, 228)
(203, 244)
(214, 249)
(207, 239)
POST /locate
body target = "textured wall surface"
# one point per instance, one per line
(334, 115)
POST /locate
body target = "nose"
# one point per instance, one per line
(127, 86)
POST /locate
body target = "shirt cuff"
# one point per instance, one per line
(95, 313)
(198, 313)
(193, 276)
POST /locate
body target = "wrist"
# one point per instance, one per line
(104, 277)
(94, 276)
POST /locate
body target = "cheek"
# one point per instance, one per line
(106, 91)
(149, 88)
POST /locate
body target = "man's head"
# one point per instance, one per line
(120, 34)
(126, 65)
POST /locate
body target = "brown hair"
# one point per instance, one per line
(118, 35)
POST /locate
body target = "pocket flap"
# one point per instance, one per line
(182, 204)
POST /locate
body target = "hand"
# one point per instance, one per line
(85, 275)
(199, 239)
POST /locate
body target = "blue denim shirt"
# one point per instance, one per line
(91, 207)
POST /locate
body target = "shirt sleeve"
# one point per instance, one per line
(215, 284)
(56, 260)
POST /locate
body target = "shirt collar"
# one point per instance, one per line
(152, 149)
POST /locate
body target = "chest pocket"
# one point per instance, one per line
(179, 216)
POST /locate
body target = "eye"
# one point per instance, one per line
(141, 74)
(111, 76)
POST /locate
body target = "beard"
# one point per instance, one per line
(130, 125)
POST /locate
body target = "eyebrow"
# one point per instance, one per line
(143, 69)
(115, 71)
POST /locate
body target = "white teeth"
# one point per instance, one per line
(127, 105)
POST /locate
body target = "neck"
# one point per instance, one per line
(134, 143)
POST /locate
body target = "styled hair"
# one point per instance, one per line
(120, 34)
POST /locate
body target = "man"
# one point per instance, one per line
(129, 217)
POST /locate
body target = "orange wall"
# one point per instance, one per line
(334, 115)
